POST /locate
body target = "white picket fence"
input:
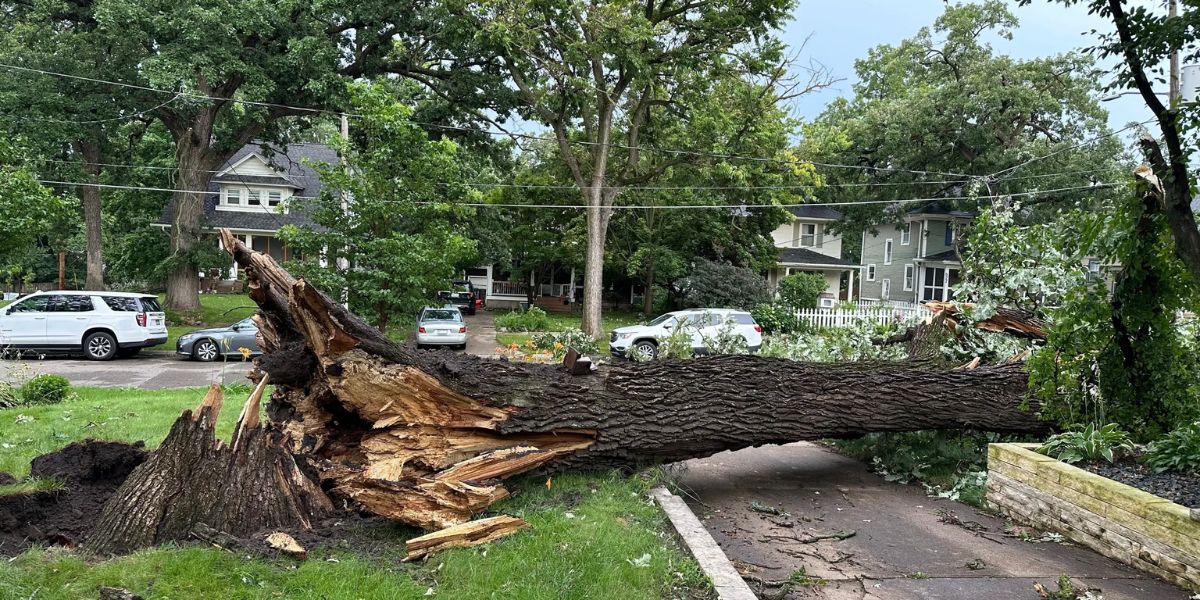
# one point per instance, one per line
(881, 314)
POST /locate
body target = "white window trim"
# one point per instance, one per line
(885, 289)
(871, 272)
(906, 234)
(887, 251)
(285, 194)
(800, 239)
(910, 275)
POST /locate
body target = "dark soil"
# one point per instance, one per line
(90, 471)
(1178, 488)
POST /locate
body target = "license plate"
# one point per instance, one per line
(443, 332)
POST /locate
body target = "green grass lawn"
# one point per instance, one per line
(592, 536)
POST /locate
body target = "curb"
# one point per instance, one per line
(725, 578)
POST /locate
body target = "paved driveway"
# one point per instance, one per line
(905, 545)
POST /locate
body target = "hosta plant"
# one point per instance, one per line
(1087, 444)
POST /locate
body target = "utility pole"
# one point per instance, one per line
(1173, 92)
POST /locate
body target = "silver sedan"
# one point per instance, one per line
(441, 327)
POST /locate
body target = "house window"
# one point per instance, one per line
(938, 284)
(949, 233)
(808, 235)
(870, 272)
(1093, 270)
(252, 198)
(887, 251)
(885, 289)
(906, 234)
(273, 198)
(909, 271)
(233, 197)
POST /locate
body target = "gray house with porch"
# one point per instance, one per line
(916, 259)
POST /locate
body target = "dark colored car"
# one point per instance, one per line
(461, 294)
(219, 342)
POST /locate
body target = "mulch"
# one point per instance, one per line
(1177, 487)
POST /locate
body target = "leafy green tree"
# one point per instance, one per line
(612, 77)
(943, 111)
(1142, 40)
(715, 285)
(399, 238)
(800, 290)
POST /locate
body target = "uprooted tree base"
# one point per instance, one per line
(426, 438)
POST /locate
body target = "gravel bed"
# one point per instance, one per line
(1178, 488)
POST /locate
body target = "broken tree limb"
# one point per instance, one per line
(428, 437)
(465, 535)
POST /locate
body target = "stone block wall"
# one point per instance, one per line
(1116, 520)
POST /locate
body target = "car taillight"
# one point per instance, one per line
(141, 319)
(462, 329)
(421, 330)
(478, 302)
(758, 328)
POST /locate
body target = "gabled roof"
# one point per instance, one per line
(291, 162)
(814, 211)
(804, 256)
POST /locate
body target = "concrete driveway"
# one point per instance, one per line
(898, 543)
(157, 370)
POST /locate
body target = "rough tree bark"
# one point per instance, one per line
(427, 437)
(89, 197)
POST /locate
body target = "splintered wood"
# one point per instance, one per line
(464, 535)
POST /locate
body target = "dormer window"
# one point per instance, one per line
(243, 198)
(808, 235)
(232, 197)
(252, 198)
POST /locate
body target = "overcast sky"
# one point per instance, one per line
(843, 30)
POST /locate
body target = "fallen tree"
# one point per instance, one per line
(427, 438)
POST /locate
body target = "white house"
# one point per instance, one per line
(805, 246)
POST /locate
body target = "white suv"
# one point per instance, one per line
(103, 325)
(699, 323)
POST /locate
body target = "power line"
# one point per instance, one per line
(993, 176)
(625, 206)
(492, 132)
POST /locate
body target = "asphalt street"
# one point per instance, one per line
(160, 369)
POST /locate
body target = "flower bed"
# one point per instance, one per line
(1132, 526)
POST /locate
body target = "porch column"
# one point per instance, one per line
(571, 287)
(850, 285)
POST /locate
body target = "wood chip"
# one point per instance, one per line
(287, 545)
(464, 535)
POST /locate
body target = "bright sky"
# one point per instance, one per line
(843, 30)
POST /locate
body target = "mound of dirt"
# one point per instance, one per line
(91, 472)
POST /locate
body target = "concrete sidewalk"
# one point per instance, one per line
(902, 545)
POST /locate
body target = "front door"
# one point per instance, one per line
(934, 285)
(25, 322)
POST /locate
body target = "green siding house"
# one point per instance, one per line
(915, 260)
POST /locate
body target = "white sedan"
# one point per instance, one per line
(441, 327)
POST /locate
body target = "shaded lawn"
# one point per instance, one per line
(593, 535)
(216, 310)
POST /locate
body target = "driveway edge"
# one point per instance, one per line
(725, 578)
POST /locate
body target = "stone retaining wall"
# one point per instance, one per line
(1116, 520)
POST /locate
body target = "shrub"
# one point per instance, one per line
(534, 319)
(558, 342)
(1089, 443)
(951, 464)
(776, 318)
(1178, 451)
(801, 290)
(726, 341)
(45, 389)
(9, 395)
(717, 285)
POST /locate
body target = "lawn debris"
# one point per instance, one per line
(836, 535)
(463, 535)
(976, 565)
(116, 593)
(287, 544)
(948, 517)
(757, 506)
(220, 539)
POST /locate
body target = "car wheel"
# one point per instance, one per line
(646, 348)
(205, 351)
(100, 346)
(128, 352)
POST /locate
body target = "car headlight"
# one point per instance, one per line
(185, 338)
(624, 336)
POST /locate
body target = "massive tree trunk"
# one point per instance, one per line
(426, 438)
(89, 197)
(183, 282)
